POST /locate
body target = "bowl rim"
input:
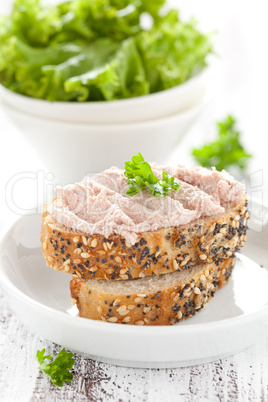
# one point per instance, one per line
(178, 116)
(4, 91)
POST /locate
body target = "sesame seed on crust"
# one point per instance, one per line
(166, 306)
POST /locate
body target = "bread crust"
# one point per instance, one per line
(166, 306)
(158, 252)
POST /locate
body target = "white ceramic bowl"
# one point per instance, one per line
(71, 150)
(142, 108)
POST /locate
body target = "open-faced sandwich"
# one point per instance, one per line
(149, 245)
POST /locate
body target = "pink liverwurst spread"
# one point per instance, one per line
(99, 204)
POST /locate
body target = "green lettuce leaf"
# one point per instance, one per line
(69, 80)
(122, 77)
(172, 51)
(34, 23)
(23, 65)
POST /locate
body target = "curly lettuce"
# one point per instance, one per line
(95, 50)
(172, 51)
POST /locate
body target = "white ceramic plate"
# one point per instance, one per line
(236, 318)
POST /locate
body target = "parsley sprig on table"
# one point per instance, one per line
(226, 150)
(58, 369)
(140, 176)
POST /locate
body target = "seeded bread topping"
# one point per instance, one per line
(99, 204)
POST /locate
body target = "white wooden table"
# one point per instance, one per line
(242, 90)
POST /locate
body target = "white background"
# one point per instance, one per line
(241, 33)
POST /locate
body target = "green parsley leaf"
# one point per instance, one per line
(58, 369)
(226, 150)
(140, 176)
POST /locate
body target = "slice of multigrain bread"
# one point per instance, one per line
(159, 300)
(157, 252)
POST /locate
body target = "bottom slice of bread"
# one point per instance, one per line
(157, 300)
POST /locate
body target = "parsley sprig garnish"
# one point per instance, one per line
(58, 369)
(226, 150)
(140, 176)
